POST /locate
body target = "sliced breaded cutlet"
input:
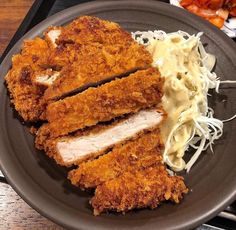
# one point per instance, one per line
(131, 156)
(90, 143)
(94, 38)
(140, 90)
(99, 51)
(138, 189)
(90, 29)
(93, 63)
(20, 79)
(106, 53)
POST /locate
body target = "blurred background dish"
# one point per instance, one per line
(229, 26)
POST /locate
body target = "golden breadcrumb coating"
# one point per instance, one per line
(107, 52)
(136, 154)
(25, 95)
(88, 29)
(138, 189)
(95, 36)
(92, 63)
(139, 90)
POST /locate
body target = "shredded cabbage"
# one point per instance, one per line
(186, 66)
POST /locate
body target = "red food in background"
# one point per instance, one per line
(233, 12)
(231, 5)
(215, 11)
(214, 4)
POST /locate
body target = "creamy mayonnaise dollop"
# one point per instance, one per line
(178, 60)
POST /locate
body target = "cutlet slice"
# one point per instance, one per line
(20, 79)
(86, 31)
(138, 189)
(95, 141)
(89, 64)
(89, 29)
(139, 90)
(135, 154)
(91, 50)
(63, 65)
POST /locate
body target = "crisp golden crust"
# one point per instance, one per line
(95, 62)
(90, 50)
(136, 154)
(25, 95)
(138, 189)
(49, 144)
(100, 50)
(88, 29)
(140, 90)
(90, 37)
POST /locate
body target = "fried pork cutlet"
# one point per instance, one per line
(139, 90)
(136, 154)
(95, 141)
(138, 189)
(20, 79)
(83, 32)
(109, 52)
(91, 59)
(89, 29)
(93, 63)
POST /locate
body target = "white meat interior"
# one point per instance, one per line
(53, 35)
(47, 79)
(74, 148)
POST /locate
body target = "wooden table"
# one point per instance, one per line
(15, 214)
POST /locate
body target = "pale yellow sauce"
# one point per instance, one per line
(178, 61)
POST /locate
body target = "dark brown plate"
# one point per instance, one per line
(43, 184)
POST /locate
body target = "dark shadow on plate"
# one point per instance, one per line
(54, 170)
(59, 173)
(205, 45)
(69, 188)
(216, 99)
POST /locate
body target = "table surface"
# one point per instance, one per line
(15, 214)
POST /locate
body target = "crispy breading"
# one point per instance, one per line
(138, 189)
(83, 62)
(24, 93)
(88, 29)
(92, 36)
(90, 143)
(136, 154)
(95, 62)
(63, 56)
(140, 90)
